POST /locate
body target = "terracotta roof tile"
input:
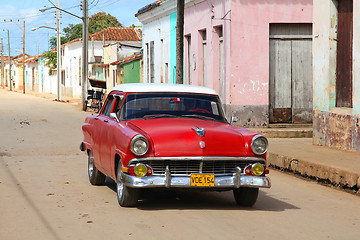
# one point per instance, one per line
(127, 60)
(114, 34)
(118, 34)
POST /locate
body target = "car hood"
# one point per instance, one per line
(173, 137)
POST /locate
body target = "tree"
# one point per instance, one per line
(100, 21)
(97, 22)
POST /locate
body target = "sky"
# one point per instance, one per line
(14, 12)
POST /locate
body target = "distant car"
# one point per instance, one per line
(172, 136)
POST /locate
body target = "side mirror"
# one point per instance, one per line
(233, 119)
(113, 116)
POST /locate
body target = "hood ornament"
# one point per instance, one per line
(199, 131)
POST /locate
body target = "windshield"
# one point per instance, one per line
(168, 105)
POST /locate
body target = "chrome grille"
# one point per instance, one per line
(188, 166)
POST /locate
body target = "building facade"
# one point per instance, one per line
(336, 48)
(72, 52)
(113, 53)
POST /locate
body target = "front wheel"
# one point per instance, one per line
(127, 197)
(245, 196)
(95, 176)
(99, 107)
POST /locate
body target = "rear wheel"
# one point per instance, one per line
(127, 197)
(85, 106)
(245, 196)
(95, 176)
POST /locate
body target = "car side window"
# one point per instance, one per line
(118, 103)
(108, 106)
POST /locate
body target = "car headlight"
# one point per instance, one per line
(259, 144)
(139, 145)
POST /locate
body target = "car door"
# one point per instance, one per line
(109, 133)
(102, 130)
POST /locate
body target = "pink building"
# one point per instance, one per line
(256, 53)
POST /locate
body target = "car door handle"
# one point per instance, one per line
(105, 120)
(96, 118)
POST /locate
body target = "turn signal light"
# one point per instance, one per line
(140, 170)
(257, 169)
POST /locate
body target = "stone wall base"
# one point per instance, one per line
(336, 130)
(248, 115)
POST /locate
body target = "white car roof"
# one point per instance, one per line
(163, 87)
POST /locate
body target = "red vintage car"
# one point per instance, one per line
(172, 136)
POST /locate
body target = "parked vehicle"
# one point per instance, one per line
(172, 136)
(95, 95)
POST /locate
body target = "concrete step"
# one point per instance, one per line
(303, 131)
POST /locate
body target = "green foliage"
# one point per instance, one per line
(134, 26)
(51, 60)
(53, 42)
(100, 21)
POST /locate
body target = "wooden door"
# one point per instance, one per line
(344, 54)
(290, 73)
(301, 76)
(280, 81)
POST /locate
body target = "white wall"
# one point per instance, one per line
(155, 31)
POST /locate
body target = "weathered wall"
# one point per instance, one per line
(245, 26)
(333, 126)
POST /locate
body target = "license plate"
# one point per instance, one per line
(202, 180)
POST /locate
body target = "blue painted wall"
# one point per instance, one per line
(173, 17)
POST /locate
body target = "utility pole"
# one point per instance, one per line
(24, 56)
(2, 64)
(8, 33)
(180, 42)
(58, 51)
(84, 77)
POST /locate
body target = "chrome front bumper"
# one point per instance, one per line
(168, 181)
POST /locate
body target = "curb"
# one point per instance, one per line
(335, 176)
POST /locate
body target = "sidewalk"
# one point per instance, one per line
(50, 96)
(341, 168)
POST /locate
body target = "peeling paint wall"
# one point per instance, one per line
(245, 25)
(334, 126)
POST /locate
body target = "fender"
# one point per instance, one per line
(84, 146)
(113, 164)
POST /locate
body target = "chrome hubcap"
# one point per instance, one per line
(90, 164)
(120, 187)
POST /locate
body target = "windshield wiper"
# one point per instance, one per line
(159, 116)
(198, 116)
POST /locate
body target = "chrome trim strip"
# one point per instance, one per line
(237, 177)
(167, 177)
(234, 181)
(202, 158)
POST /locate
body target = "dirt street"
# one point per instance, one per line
(45, 193)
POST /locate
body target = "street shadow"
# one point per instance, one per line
(182, 199)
